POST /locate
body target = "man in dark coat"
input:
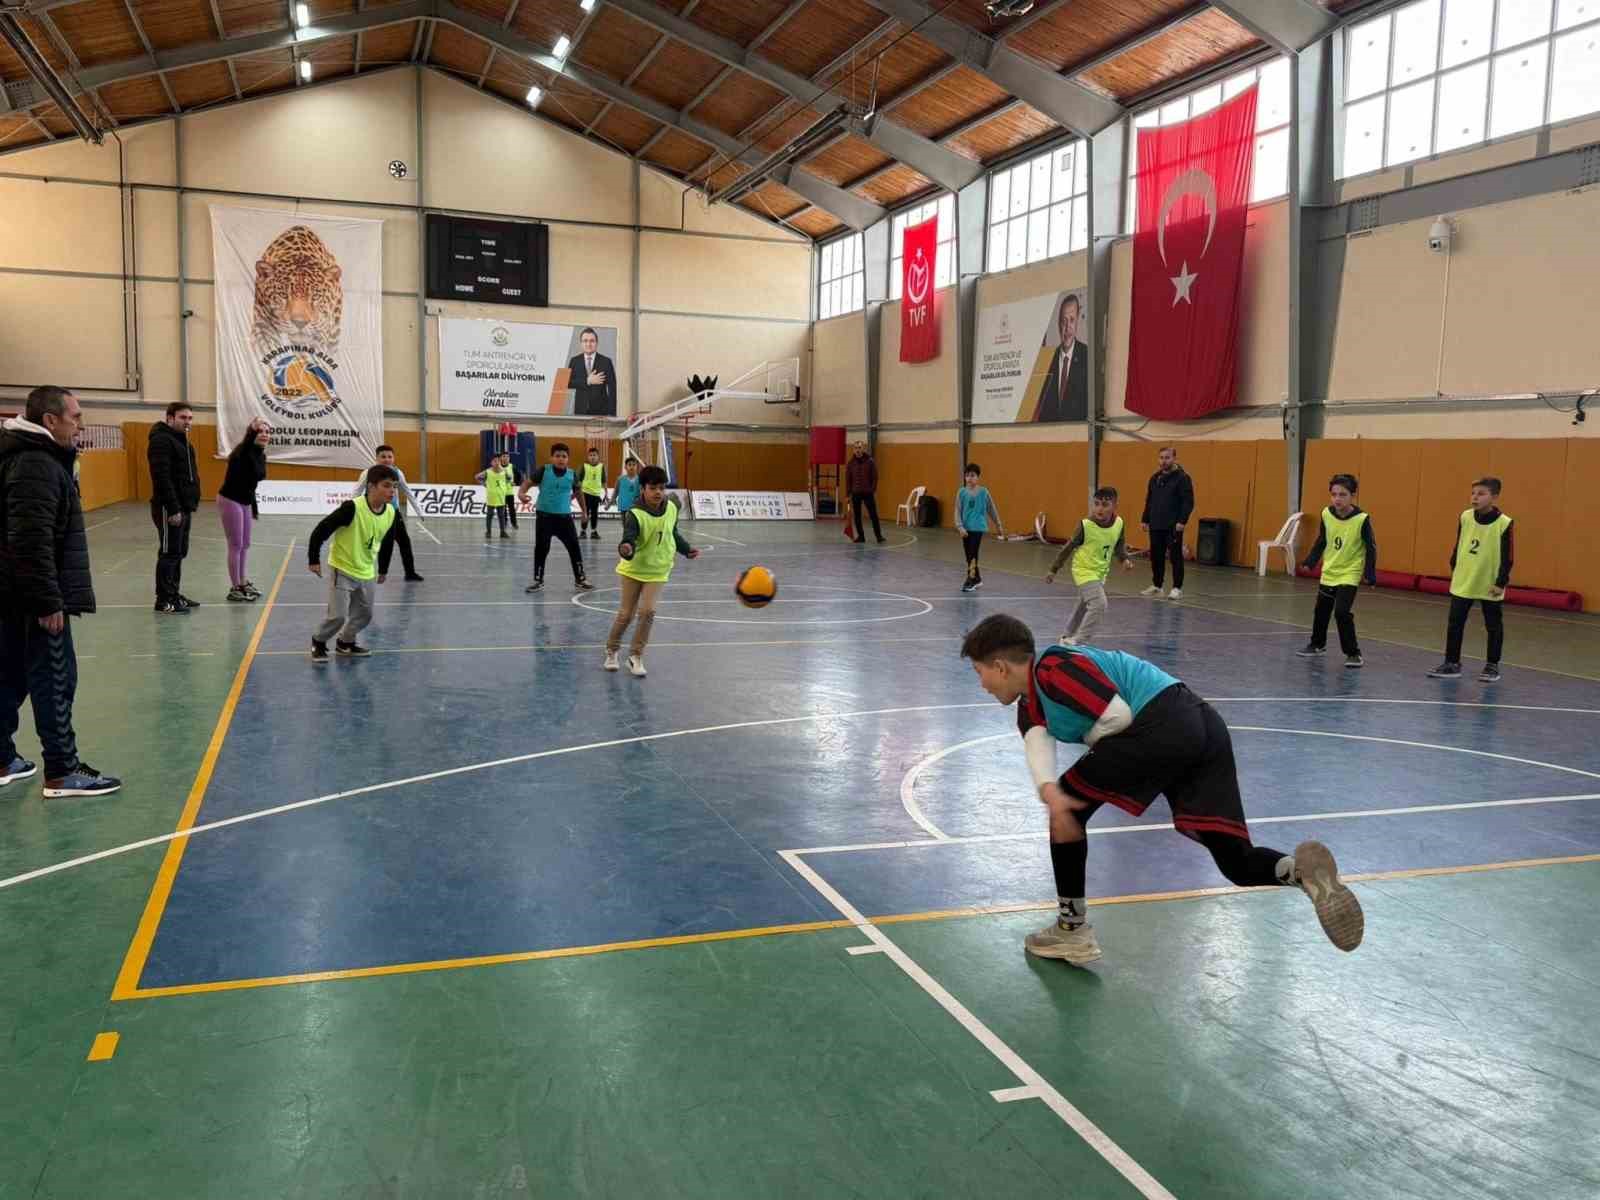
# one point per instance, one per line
(1168, 505)
(861, 481)
(44, 583)
(174, 495)
(593, 377)
(1064, 395)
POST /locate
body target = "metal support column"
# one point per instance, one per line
(1108, 172)
(633, 317)
(422, 290)
(183, 267)
(875, 249)
(972, 207)
(1312, 96)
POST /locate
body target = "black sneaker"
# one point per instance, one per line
(595, 535)
(1311, 650)
(82, 780)
(1352, 661)
(237, 595)
(583, 584)
(413, 578)
(319, 651)
(487, 535)
(968, 586)
(1490, 673)
(1446, 670)
(504, 534)
(536, 586)
(172, 608)
(186, 602)
(351, 650)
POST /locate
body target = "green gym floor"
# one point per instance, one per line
(472, 918)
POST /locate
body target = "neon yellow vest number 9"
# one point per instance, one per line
(1091, 562)
(1344, 557)
(653, 551)
(1477, 557)
(355, 547)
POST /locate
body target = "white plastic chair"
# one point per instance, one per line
(909, 508)
(1285, 541)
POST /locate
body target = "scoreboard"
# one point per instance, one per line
(488, 262)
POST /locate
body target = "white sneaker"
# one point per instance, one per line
(1175, 594)
(1152, 590)
(636, 666)
(1067, 639)
(1055, 940)
(611, 660)
(1337, 907)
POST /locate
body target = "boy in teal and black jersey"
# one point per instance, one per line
(1349, 557)
(1148, 735)
(1480, 570)
(552, 516)
(974, 507)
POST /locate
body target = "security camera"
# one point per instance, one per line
(1439, 234)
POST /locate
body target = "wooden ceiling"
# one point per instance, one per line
(631, 85)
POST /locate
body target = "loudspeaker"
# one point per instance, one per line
(1211, 546)
(928, 512)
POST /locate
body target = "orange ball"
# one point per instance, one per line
(757, 587)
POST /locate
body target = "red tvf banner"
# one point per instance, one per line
(1188, 257)
(919, 310)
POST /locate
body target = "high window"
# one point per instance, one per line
(1039, 208)
(842, 278)
(944, 270)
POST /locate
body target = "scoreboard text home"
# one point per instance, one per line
(490, 262)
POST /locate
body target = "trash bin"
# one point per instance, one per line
(928, 512)
(1211, 546)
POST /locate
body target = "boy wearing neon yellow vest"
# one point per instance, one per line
(1349, 555)
(363, 533)
(1148, 735)
(552, 516)
(650, 539)
(496, 480)
(1480, 569)
(1097, 542)
(593, 483)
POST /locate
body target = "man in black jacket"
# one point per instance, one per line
(1168, 505)
(593, 378)
(44, 582)
(174, 495)
(861, 480)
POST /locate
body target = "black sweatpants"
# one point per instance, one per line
(1164, 544)
(488, 518)
(970, 542)
(43, 667)
(172, 549)
(562, 528)
(591, 509)
(1336, 602)
(856, 501)
(402, 539)
(1493, 621)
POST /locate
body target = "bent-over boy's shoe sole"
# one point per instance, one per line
(1337, 907)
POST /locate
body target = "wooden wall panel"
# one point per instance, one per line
(1578, 562)
(1266, 507)
(1027, 478)
(1444, 481)
(103, 478)
(1534, 478)
(1229, 493)
(906, 465)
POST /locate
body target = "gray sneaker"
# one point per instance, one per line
(1490, 673)
(1337, 907)
(1055, 940)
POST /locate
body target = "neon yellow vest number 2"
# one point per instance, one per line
(1477, 557)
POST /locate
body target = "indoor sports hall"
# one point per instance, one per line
(499, 491)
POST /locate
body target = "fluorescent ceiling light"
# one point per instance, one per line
(534, 93)
(563, 44)
(302, 15)
(305, 69)
(586, 5)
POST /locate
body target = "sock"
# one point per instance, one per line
(1285, 871)
(1069, 861)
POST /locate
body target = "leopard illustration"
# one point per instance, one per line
(298, 292)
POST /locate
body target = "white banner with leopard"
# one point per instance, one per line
(299, 333)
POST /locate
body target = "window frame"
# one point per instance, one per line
(852, 279)
(1488, 58)
(915, 214)
(1075, 197)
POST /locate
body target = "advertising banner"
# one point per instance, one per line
(520, 368)
(1031, 362)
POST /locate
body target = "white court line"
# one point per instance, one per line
(1156, 826)
(715, 537)
(913, 810)
(1098, 1140)
(102, 524)
(1011, 1095)
(469, 768)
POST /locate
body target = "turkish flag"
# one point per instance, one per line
(1188, 257)
(919, 315)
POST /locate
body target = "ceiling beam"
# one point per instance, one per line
(1061, 99)
(947, 169)
(777, 23)
(1038, 13)
(852, 210)
(144, 40)
(1290, 25)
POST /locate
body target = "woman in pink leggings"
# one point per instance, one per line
(236, 504)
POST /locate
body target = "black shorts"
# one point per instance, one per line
(1177, 747)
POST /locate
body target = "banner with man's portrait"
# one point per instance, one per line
(1032, 361)
(527, 369)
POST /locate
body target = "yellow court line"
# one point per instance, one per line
(692, 939)
(486, 960)
(105, 1045)
(145, 935)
